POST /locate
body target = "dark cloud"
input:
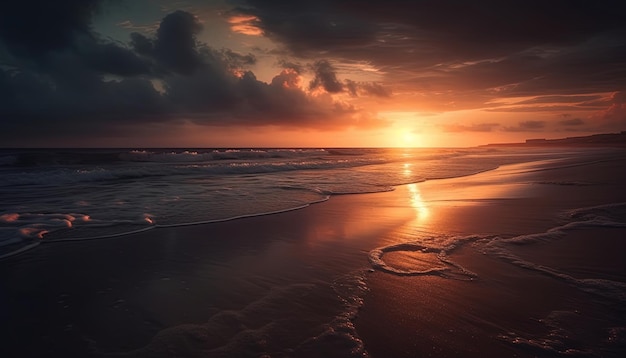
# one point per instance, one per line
(86, 85)
(58, 76)
(309, 26)
(479, 49)
(141, 44)
(467, 27)
(325, 77)
(175, 45)
(36, 27)
(113, 59)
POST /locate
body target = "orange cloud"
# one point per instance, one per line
(245, 24)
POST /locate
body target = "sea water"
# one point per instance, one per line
(59, 194)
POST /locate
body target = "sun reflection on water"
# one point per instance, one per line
(417, 202)
(407, 169)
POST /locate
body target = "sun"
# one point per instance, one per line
(409, 139)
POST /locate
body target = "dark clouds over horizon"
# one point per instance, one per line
(59, 77)
(71, 80)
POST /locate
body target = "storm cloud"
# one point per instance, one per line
(477, 49)
(70, 80)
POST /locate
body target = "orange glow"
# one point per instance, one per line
(237, 73)
(289, 78)
(30, 232)
(9, 218)
(409, 140)
(417, 203)
(244, 24)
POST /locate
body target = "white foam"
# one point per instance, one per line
(188, 156)
(610, 215)
(613, 212)
(447, 267)
(245, 215)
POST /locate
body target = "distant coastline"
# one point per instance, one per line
(595, 140)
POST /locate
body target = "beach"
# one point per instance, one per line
(524, 260)
(529, 297)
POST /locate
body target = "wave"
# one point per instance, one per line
(32, 229)
(434, 259)
(194, 156)
(601, 216)
(52, 176)
(34, 158)
(568, 331)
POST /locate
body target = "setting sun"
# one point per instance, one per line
(409, 139)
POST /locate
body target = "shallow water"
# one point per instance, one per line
(92, 193)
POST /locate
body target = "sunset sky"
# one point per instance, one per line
(258, 73)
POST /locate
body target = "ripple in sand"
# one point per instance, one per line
(416, 259)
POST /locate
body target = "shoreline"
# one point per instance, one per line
(513, 307)
(236, 279)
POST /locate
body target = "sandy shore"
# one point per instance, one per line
(510, 309)
(290, 284)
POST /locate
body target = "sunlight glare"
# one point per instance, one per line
(417, 202)
(409, 139)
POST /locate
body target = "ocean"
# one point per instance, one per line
(81, 194)
(215, 253)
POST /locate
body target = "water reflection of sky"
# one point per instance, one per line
(417, 202)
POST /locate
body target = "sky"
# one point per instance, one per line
(323, 73)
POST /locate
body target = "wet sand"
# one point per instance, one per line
(301, 283)
(539, 307)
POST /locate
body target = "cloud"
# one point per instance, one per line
(470, 28)
(527, 126)
(572, 122)
(59, 77)
(175, 45)
(449, 49)
(614, 117)
(479, 127)
(110, 58)
(35, 27)
(368, 88)
(245, 24)
(325, 77)
(90, 86)
(307, 26)
(561, 99)
(296, 66)
(128, 24)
